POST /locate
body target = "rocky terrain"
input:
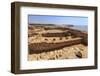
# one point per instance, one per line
(72, 52)
(52, 42)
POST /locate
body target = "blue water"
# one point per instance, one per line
(82, 28)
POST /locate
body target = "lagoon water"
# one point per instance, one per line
(82, 28)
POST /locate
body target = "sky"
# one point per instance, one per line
(44, 19)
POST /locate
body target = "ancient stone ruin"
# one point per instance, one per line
(47, 39)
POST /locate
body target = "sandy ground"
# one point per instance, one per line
(69, 52)
(72, 52)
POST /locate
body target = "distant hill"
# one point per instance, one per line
(56, 25)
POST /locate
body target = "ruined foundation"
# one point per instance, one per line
(50, 43)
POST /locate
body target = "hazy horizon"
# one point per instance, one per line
(58, 20)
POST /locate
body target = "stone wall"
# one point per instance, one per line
(45, 47)
(62, 34)
(83, 35)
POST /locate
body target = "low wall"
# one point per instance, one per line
(32, 34)
(57, 28)
(62, 34)
(45, 47)
(83, 35)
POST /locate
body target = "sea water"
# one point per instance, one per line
(81, 28)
